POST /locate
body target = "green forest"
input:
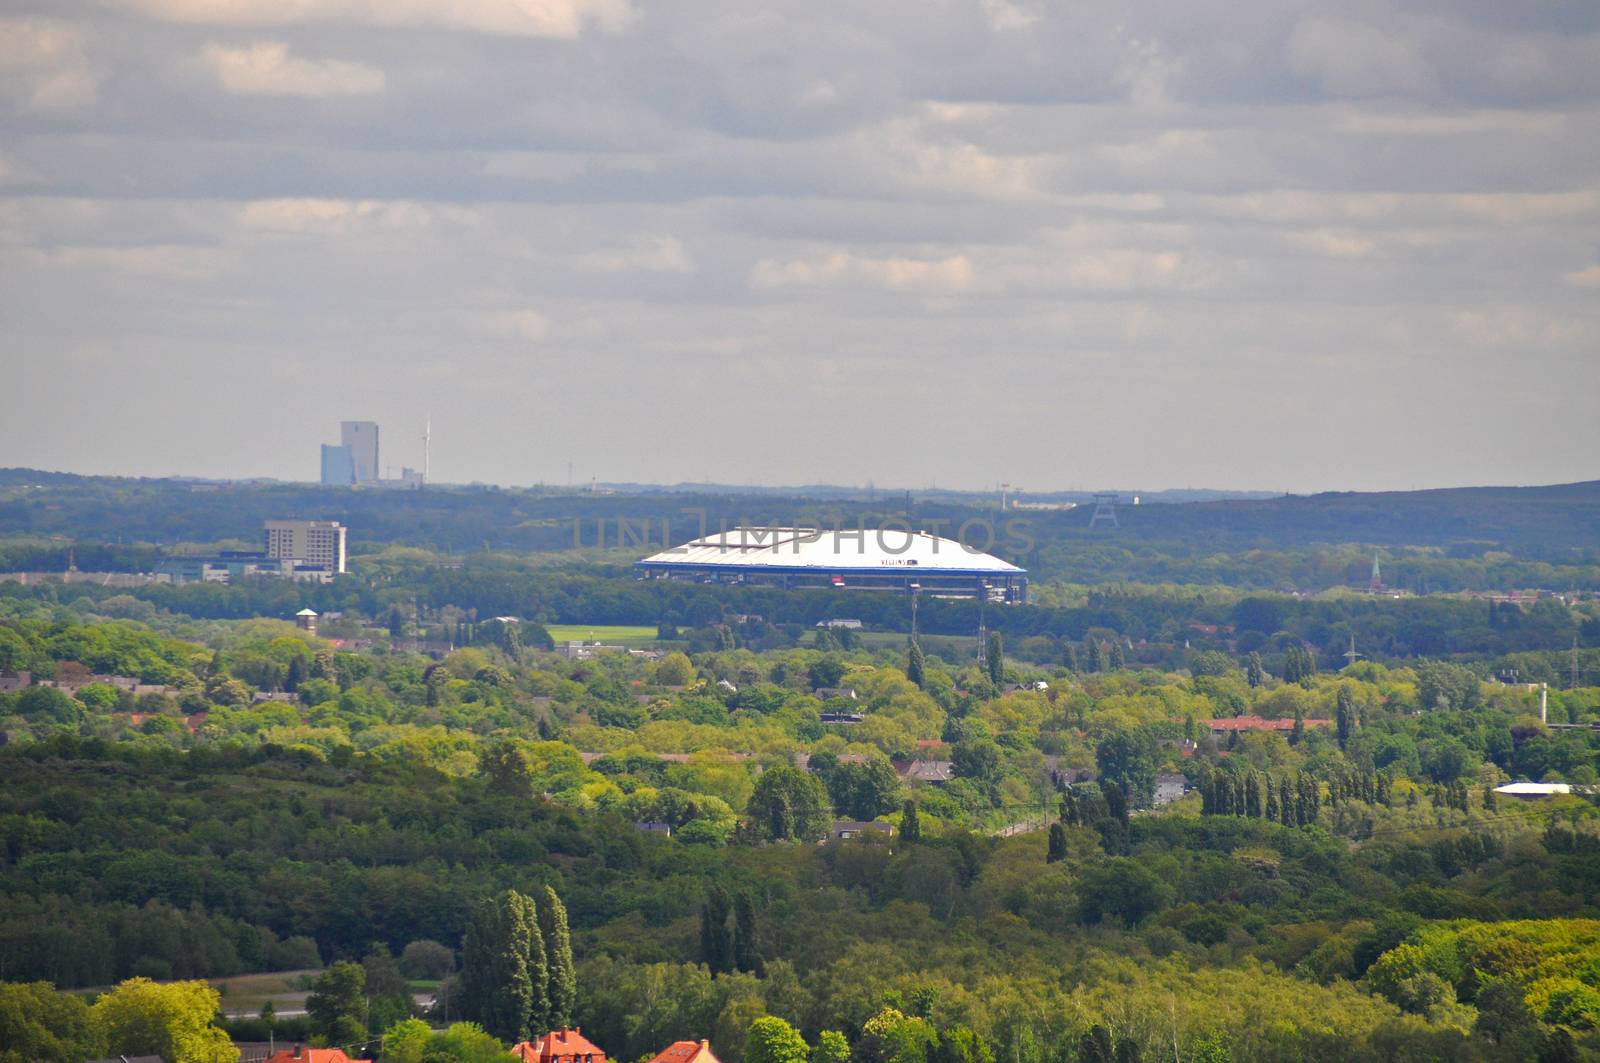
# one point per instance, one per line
(1341, 883)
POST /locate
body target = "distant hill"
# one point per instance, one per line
(1557, 522)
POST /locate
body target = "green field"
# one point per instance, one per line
(614, 634)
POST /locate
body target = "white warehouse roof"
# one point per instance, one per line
(829, 549)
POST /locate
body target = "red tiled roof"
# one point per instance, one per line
(312, 1055)
(560, 1046)
(1257, 723)
(686, 1052)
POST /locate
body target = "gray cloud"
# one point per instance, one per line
(1274, 245)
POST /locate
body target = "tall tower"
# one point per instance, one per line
(1376, 583)
(362, 439)
(427, 439)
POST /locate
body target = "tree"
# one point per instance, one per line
(976, 758)
(996, 658)
(1069, 657)
(716, 945)
(1123, 888)
(831, 1047)
(910, 825)
(1057, 850)
(173, 1021)
(915, 664)
(1255, 672)
(427, 959)
(746, 944)
(561, 992)
(1130, 758)
(501, 984)
(771, 1040)
(789, 804)
(1117, 662)
(40, 1025)
(337, 1006)
(675, 669)
(1095, 655)
(1344, 715)
(397, 622)
(506, 767)
(388, 994)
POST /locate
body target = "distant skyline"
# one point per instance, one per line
(1255, 246)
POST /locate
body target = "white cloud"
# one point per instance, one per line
(1332, 244)
(938, 276)
(520, 18)
(312, 215)
(655, 254)
(1357, 59)
(527, 325)
(50, 62)
(1588, 277)
(267, 69)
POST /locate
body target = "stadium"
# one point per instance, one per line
(874, 559)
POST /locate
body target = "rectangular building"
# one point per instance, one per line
(320, 543)
(362, 439)
(338, 466)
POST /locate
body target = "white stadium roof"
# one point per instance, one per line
(828, 549)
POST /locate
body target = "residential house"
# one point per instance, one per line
(11, 683)
(686, 1052)
(933, 772)
(559, 1046)
(829, 693)
(302, 1054)
(1237, 724)
(845, 829)
(1170, 788)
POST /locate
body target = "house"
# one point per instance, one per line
(302, 1054)
(934, 772)
(845, 829)
(686, 1052)
(1170, 788)
(853, 625)
(559, 1046)
(829, 693)
(841, 717)
(1236, 724)
(130, 1059)
(12, 683)
(653, 826)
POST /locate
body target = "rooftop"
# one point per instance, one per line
(828, 549)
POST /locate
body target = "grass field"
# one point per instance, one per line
(613, 634)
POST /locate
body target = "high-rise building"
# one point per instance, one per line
(338, 466)
(314, 542)
(362, 439)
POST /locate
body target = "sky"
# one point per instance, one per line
(1258, 244)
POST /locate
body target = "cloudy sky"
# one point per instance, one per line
(1248, 244)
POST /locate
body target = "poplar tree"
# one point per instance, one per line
(1118, 662)
(561, 991)
(1097, 662)
(1345, 716)
(910, 825)
(500, 984)
(1255, 673)
(1058, 844)
(997, 659)
(716, 947)
(746, 947)
(915, 664)
(1069, 655)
